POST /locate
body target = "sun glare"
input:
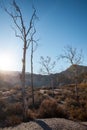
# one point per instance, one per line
(6, 62)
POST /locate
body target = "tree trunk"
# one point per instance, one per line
(76, 83)
(76, 91)
(51, 84)
(32, 87)
(25, 106)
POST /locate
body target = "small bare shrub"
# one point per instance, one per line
(78, 114)
(83, 85)
(61, 112)
(48, 108)
(15, 108)
(71, 103)
(77, 110)
(32, 114)
(2, 115)
(13, 120)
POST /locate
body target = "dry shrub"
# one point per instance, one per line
(76, 110)
(15, 108)
(71, 103)
(61, 112)
(78, 114)
(13, 120)
(2, 112)
(32, 114)
(83, 85)
(7, 110)
(49, 92)
(48, 108)
(38, 99)
(2, 115)
(83, 103)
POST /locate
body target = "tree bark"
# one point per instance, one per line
(23, 84)
(32, 87)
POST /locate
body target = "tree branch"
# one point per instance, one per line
(31, 22)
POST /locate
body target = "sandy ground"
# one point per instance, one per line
(49, 124)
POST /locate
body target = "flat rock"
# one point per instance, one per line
(49, 124)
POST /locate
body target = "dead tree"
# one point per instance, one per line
(71, 55)
(47, 67)
(23, 33)
(74, 58)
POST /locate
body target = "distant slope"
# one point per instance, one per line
(12, 77)
(71, 70)
(68, 76)
(59, 79)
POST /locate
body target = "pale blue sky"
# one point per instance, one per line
(61, 23)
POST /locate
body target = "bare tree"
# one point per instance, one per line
(74, 58)
(23, 33)
(47, 67)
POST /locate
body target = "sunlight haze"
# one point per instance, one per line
(6, 62)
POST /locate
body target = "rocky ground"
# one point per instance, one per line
(49, 124)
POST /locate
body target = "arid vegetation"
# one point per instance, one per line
(62, 105)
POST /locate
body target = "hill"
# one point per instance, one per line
(70, 74)
(65, 77)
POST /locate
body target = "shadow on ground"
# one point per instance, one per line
(43, 125)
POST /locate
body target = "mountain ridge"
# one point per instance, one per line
(59, 79)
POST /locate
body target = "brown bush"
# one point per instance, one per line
(78, 114)
(2, 112)
(82, 103)
(32, 114)
(13, 120)
(48, 108)
(76, 110)
(72, 103)
(61, 112)
(83, 85)
(2, 115)
(15, 108)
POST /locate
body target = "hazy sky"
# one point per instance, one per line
(61, 23)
